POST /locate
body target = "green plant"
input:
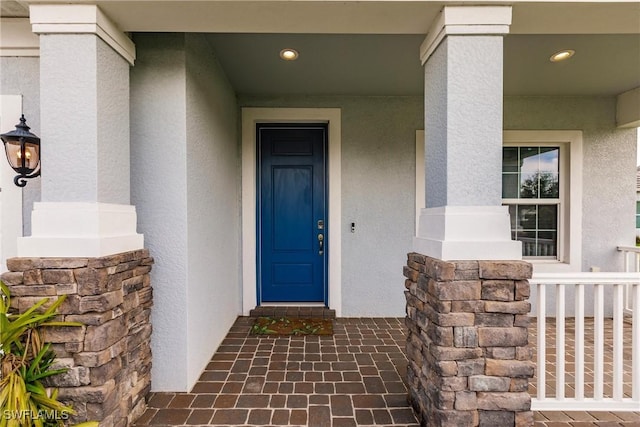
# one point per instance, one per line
(263, 329)
(291, 326)
(25, 361)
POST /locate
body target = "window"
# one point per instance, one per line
(638, 214)
(531, 178)
(545, 203)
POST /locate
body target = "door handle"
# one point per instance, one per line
(321, 244)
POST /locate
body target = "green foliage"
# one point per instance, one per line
(25, 361)
(541, 185)
(291, 326)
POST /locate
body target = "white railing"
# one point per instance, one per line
(538, 247)
(597, 353)
(631, 265)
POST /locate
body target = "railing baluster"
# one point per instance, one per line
(542, 340)
(627, 263)
(618, 347)
(579, 342)
(621, 291)
(598, 341)
(560, 362)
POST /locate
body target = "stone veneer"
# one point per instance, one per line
(467, 343)
(109, 358)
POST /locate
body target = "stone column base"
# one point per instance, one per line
(109, 358)
(467, 343)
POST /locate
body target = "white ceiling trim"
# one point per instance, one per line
(16, 38)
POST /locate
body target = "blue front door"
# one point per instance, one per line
(292, 226)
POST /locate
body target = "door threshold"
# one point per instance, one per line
(297, 311)
(292, 304)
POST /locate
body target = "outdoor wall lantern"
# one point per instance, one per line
(23, 152)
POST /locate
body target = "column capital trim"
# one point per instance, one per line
(465, 20)
(81, 19)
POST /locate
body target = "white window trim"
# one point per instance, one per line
(252, 116)
(570, 241)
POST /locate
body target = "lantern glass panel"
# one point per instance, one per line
(32, 156)
(14, 154)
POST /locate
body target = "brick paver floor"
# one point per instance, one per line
(353, 378)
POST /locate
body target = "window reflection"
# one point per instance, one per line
(530, 173)
(536, 227)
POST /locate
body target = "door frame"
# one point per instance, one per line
(251, 117)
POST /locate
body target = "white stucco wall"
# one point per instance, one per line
(378, 181)
(464, 121)
(185, 185)
(93, 95)
(378, 160)
(158, 190)
(113, 125)
(213, 206)
(609, 168)
(21, 76)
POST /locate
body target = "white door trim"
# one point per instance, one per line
(250, 117)
(420, 176)
(10, 195)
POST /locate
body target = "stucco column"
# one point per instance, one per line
(462, 57)
(84, 92)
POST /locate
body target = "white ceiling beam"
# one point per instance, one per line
(16, 38)
(628, 109)
(358, 16)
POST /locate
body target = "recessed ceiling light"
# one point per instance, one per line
(562, 55)
(289, 54)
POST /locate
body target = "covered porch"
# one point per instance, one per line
(436, 116)
(172, 92)
(354, 378)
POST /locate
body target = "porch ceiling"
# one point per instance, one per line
(605, 64)
(356, 16)
(371, 46)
